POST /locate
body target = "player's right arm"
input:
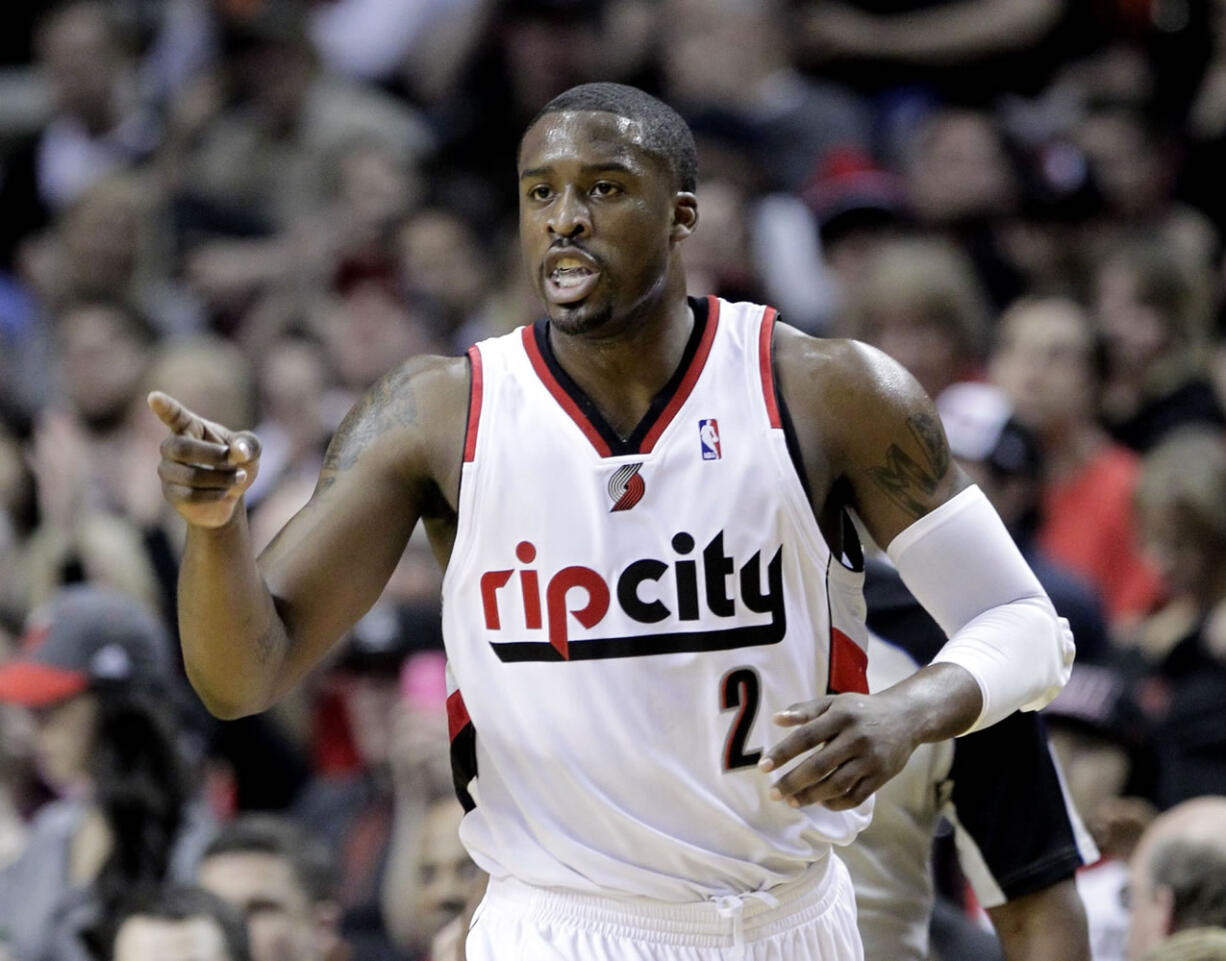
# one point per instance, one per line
(250, 629)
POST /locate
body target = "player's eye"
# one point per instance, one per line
(539, 192)
(605, 188)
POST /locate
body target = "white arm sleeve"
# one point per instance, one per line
(963, 567)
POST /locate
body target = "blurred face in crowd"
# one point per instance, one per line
(63, 741)
(1128, 166)
(152, 939)
(446, 871)
(101, 236)
(374, 191)
(371, 700)
(82, 62)
(596, 217)
(1136, 333)
(102, 362)
(368, 332)
(960, 170)
(546, 55)
(1149, 907)
(441, 259)
(292, 382)
(718, 255)
(282, 923)
(705, 35)
(1043, 362)
(1187, 557)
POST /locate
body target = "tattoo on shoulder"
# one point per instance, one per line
(907, 481)
(390, 404)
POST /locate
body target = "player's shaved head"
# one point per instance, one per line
(665, 134)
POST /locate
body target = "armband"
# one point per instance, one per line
(963, 567)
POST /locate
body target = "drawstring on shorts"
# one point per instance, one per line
(732, 907)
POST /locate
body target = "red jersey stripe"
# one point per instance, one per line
(560, 395)
(474, 404)
(766, 368)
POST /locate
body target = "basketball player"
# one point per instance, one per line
(640, 503)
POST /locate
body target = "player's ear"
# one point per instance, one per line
(685, 216)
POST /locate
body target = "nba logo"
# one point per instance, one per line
(708, 438)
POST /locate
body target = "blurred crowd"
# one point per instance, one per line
(261, 206)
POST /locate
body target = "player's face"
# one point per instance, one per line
(597, 218)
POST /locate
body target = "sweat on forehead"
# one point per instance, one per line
(651, 124)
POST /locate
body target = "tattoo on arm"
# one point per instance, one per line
(390, 404)
(906, 481)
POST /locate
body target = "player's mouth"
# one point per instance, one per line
(570, 275)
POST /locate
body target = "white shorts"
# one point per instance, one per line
(810, 919)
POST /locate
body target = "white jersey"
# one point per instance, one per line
(622, 618)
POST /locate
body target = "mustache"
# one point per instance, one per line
(564, 244)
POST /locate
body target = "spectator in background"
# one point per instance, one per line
(292, 377)
(259, 162)
(361, 812)
(1150, 303)
(1099, 738)
(1134, 161)
(284, 883)
(919, 302)
(1045, 360)
(448, 265)
(429, 877)
(1197, 944)
(859, 207)
(95, 672)
(1178, 880)
(1180, 652)
(97, 126)
(962, 185)
(794, 121)
(178, 924)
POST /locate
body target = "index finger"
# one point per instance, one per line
(173, 414)
(803, 738)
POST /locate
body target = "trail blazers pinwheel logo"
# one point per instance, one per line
(626, 487)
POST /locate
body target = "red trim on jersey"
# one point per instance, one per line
(560, 395)
(766, 368)
(686, 387)
(848, 665)
(474, 404)
(457, 715)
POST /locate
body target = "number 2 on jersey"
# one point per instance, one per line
(740, 689)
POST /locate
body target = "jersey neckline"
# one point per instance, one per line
(664, 405)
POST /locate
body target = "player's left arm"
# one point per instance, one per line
(888, 460)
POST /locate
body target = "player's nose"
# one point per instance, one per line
(570, 216)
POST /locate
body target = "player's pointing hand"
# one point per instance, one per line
(205, 467)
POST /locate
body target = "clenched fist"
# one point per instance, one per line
(205, 467)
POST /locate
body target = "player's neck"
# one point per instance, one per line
(624, 371)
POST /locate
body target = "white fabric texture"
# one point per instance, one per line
(961, 564)
(810, 919)
(613, 774)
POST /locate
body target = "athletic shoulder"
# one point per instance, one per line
(878, 430)
(411, 421)
(844, 385)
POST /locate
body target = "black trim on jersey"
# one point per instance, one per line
(629, 445)
(850, 546)
(643, 645)
(789, 434)
(464, 764)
